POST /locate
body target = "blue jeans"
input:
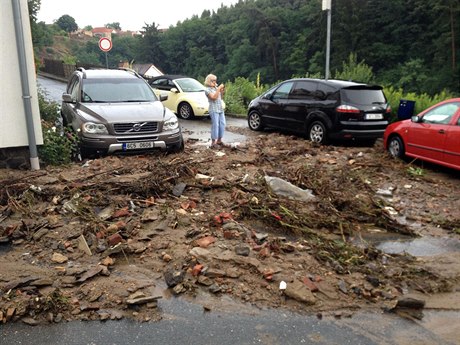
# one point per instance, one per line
(217, 125)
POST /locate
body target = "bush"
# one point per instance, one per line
(240, 92)
(422, 101)
(60, 145)
(49, 111)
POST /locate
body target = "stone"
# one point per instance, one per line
(311, 285)
(283, 188)
(29, 321)
(114, 239)
(206, 241)
(142, 300)
(59, 258)
(242, 250)
(409, 302)
(179, 189)
(300, 292)
(173, 277)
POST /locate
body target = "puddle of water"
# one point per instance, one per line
(393, 243)
(425, 246)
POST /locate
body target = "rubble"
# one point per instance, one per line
(270, 223)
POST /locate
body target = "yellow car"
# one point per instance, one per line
(186, 95)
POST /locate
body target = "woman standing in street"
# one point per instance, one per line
(216, 109)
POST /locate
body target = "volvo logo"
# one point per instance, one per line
(137, 127)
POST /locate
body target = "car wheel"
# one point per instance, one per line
(185, 111)
(396, 147)
(177, 147)
(64, 121)
(317, 132)
(255, 121)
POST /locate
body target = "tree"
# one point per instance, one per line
(114, 25)
(354, 70)
(34, 7)
(67, 23)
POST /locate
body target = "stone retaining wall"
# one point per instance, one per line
(15, 158)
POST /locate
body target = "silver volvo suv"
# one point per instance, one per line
(116, 111)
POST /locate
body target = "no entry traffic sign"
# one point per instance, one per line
(105, 44)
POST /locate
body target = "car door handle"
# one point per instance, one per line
(441, 131)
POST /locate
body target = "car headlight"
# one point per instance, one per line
(171, 123)
(94, 128)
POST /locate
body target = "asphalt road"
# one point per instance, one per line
(187, 323)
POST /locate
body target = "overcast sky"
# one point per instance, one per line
(131, 14)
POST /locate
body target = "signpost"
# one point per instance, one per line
(105, 45)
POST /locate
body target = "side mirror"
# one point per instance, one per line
(416, 119)
(174, 90)
(163, 98)
(66, 98)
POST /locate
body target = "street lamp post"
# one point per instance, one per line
(327, 7)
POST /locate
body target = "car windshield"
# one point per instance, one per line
(190, 85)
(116, 90)
(363, 96)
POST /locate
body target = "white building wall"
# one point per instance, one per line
(13, 128)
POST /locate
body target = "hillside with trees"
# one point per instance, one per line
(409, 44)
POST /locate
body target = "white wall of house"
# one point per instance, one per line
(153, 72)
(13, 128)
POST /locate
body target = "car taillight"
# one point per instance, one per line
(343, 108)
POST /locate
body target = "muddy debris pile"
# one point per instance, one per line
(270, 223)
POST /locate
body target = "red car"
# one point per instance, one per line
(432, 136)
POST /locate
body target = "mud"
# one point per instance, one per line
(107, 238)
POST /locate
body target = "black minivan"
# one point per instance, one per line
(322, 109)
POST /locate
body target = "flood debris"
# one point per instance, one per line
(271, 223)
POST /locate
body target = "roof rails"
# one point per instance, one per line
(131, 71)
(81, 69)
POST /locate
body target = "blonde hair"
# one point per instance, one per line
(208, 79)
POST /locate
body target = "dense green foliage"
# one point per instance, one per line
(409, 44)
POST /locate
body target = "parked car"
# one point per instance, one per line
(432, 136)
(322, 109)
(186, 96)
(116, 111)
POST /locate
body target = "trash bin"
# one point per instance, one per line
(406, 109)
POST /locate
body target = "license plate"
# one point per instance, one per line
(374, 116)
(139, 145)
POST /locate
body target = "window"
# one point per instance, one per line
(304, 90)
(442, 114)
(162, 84)
(283, 91)
(326, 92)
(74, 89)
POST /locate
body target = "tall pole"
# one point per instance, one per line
(328, 42)
(327, 7)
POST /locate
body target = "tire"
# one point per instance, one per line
(317, 132)
(64, 121)
(177, 147)
(255, 121)
(396, 147)
(185, 111)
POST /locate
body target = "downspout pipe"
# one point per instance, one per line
(20, 44)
